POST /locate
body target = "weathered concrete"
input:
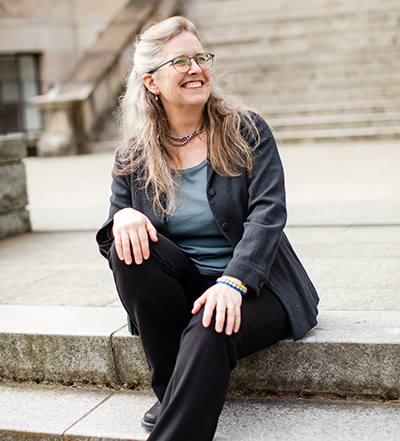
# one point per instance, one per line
(14, 218)
(42, 413)
(354, 268)
(81, 414)
(59, 344)
(347, 353)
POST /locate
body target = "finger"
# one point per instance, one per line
(220, 318)
(137, 250)
(152, 232)
(238, 319)
(118, 246)
(230, 320)
(198, 304)
(144, 243)
(208, 313)
(126, 249)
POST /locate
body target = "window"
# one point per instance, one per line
(19, 82)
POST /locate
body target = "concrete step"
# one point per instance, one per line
(314, 96)
(336, 121)
(236, 11)
(288, 80)
(259, 54)
(339, 134)
(314, 55)
(329, 108)
(348, 353)
(321, 31)
(44, 413)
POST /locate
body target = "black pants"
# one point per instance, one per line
(189, 365)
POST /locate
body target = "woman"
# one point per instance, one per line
(195, 232)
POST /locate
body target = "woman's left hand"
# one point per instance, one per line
(226, 302)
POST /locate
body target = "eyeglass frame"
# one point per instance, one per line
(190, 62)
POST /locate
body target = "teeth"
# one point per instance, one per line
(192, 85)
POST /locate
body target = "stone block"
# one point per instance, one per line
(13, 187)
(62, 344)
(12, 148)
(14, 219)
(58, 358)
(347, 353)
(14, 223)
(131, 364)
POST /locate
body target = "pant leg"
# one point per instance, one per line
(196, 392)
(190, 365)
(158, 296)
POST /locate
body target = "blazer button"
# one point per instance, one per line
(211, 192)
(225, 226)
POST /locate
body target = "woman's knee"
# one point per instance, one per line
(208, 342)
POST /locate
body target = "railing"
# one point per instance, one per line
(72, 109)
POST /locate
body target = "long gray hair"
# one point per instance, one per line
(144, 125)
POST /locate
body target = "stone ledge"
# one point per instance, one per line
(348, 353)
(12, 148)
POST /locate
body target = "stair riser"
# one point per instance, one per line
(217, 12)
(318, 364)
(373, 29)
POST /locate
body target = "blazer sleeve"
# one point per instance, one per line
(255, 252)
(120, 198)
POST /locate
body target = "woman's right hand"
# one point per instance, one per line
(131, 228)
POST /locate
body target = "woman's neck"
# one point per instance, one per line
(185, 124)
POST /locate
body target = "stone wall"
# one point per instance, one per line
(59, 30)
(14, 218)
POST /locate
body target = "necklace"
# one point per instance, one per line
(179, 141)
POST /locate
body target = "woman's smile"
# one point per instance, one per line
(192, 84)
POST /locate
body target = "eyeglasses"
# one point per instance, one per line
(183, 63)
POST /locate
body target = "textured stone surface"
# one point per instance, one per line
(12, 148)
(347, 353)
(58, 343)
(14, 223)
(13, 187)
(43, 413)
(131, 364)
(59, 269)
(39, 413)
(14, 218)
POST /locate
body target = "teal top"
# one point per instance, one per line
(193, 228)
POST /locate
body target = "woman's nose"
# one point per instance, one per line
(194, 67)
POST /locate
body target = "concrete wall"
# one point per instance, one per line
(61, 30)
(14, 218)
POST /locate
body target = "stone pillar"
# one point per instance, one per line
(14, 218)
(62, 126)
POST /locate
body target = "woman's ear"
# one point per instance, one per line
(148, 81)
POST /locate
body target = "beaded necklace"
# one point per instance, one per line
(179, 141)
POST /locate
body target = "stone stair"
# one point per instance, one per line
(317, 69)
(68, 374)
(55, 413)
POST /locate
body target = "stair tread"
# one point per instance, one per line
(42, 412)
(295, 58)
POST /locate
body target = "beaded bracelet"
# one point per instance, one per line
(235, 285)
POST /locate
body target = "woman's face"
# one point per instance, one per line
(182, 90)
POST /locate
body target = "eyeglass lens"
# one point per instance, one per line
(182, 63)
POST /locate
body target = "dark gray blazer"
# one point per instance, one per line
(250, 211)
